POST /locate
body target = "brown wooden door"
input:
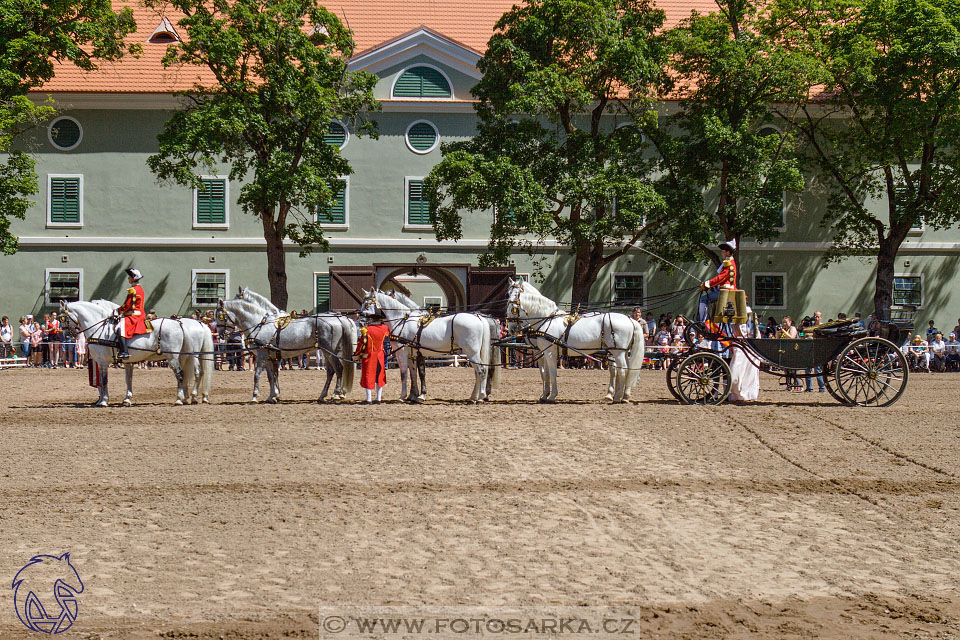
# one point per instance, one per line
(487, 289)
(347, 285)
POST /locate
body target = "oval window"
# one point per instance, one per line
(422, 137)
(65, 133)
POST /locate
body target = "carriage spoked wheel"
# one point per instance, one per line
(703, 378)
(871, 372)
(672, 379)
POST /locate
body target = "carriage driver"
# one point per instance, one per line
(726, 278)
(134, 320)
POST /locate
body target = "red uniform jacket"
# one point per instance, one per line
(373, 367)
(134, 320)
(726, 277)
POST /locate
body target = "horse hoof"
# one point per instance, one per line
(205, 400)
(271, 401)
(178, 402)
(608, 397)
(98, 403)
(319, 400)
(127, 402)
(194, 401)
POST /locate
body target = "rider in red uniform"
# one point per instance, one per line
(134, 320)
(373, 367)
(726, 278)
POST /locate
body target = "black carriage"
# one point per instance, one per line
(858, 369)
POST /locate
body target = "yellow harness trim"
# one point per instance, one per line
(282, 322)
(572, 319)
(424, 320)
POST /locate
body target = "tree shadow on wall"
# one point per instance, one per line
(112, 283)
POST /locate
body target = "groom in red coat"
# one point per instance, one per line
(373, 367)
(134, 320)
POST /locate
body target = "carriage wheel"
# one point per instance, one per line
(831, 388)
(871, 372)
(703, 378)
(672, 379)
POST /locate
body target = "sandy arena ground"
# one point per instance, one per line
(790, 518)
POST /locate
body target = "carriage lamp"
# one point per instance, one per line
(729, 311)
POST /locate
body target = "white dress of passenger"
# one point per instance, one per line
(744, 375)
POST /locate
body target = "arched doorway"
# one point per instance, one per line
(464, 286)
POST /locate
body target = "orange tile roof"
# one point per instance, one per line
(374, 22)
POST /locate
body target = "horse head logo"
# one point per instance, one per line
(40, 587)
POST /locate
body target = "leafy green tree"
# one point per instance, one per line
(279, 70)
(885, 121)
(34, 35)
(724, 169)
(547, 155)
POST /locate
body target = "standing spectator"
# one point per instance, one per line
(69, 346)
(938, 353)
(638, 316)
(952, 353)
(770, 330)
(788, 331)
(956, 329)
(81, 349)
(873, 325)
(816, 320)
(36, 340)
(235, 350)
(26, 330)
(6, 338)
(932, 332)
(651, 324)
(54, 337)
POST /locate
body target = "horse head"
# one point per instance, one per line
(369, 306)
(37, 585)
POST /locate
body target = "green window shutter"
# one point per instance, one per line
(422, 82)
(337, 213)
(336, 135)
(418, 208)
(211, 202)
(422, 136)
(65, 200)
(323, 292)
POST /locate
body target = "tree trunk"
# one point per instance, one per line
(586, 266)
(276, 260)
(886, 266)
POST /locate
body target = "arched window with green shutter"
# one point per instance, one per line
(422, 136)
(422, 82)
(336, 135)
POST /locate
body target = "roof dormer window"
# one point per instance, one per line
(164, 33)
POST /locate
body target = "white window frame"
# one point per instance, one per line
(393, 85)
(226, 205)
(346, 209)
(46, 283)
(193, 284)
(753, 287)
(406, 137)
(431, 299)
(63, 225)
(406, 206)
(346, 131)
(526, 277)
(50, 133)
(908, 275)
(613, 285)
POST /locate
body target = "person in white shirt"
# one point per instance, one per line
(6, 338)
(938, 353)
(744, 374)
(952, 352)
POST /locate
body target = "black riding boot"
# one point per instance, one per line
(123, 354)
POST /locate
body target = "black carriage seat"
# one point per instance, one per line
(800, 353)
(847, 328)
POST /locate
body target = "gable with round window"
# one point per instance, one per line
(422, 136)
(65, 133)
(422, 82)
(336, 135)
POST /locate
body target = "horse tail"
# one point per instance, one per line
(347, 346)
(495, 353)
(635, 359)
(206, 356)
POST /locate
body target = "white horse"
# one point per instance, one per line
(275, 336)
(186, 345)
(472, 333)
(615, 333)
